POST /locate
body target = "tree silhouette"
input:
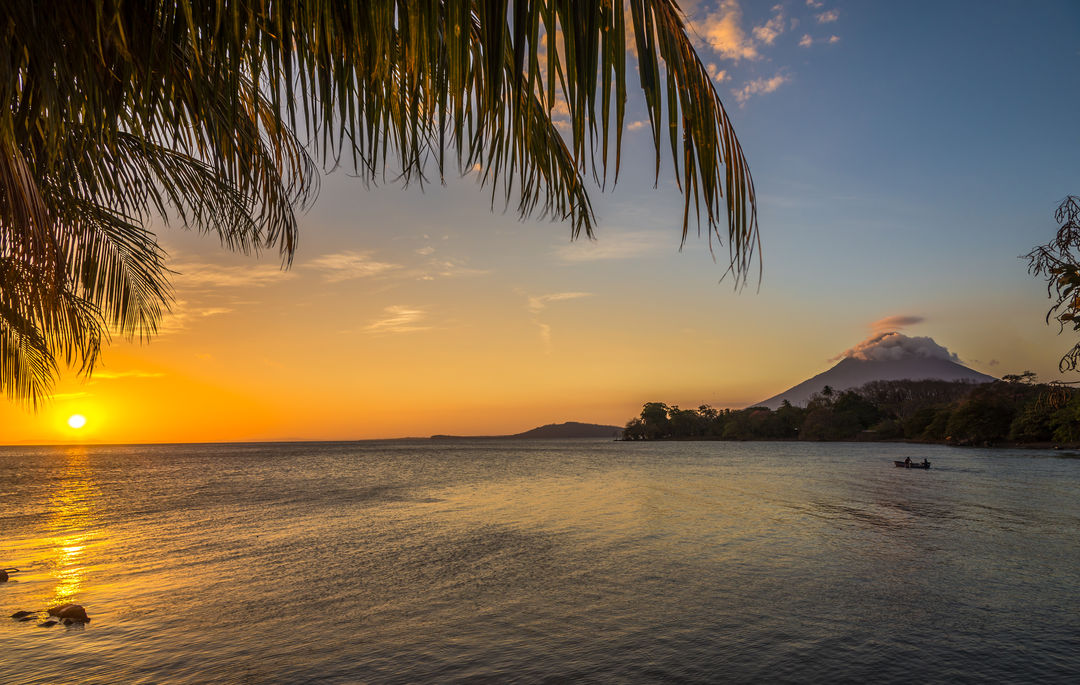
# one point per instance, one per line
(1059, 262)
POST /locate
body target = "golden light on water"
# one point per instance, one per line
(76, 421)
(71, 525)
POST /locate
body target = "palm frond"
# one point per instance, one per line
(210, 114)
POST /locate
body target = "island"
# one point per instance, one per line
(552, 431)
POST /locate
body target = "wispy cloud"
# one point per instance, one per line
(212, 311)
(635, 125)
(217, 276)
(828, 16)
(545, 334)
(448, 268)
(834, 39)
(760, 86)
(68, 395)
(629, 245)
(806, 41)
(893, 323)
(345, 266)
(112, 375)
(815, 4)
(399, 319)
(539, 303)
(183, 314)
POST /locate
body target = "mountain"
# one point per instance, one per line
(853, 372)
(570, 429)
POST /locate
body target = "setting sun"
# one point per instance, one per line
(76, 421)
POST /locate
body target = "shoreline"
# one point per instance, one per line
(1005, 445)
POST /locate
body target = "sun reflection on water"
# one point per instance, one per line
(70, 524)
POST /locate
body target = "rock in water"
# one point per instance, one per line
(47, 624)
(20, 614)
(73, 611)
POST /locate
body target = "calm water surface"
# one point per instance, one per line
(585, 561)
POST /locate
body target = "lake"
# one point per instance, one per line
(531, 561)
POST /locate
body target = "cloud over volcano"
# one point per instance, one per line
(893, 346)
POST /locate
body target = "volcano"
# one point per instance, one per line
(885, 358)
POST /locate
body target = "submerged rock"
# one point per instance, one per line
(21, 614)
(75, 612)
(47, 624)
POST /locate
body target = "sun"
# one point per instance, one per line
(76, 421)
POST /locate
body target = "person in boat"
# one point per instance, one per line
(907, 462)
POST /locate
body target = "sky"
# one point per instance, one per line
(904, 154)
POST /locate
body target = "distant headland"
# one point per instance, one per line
(570, 429)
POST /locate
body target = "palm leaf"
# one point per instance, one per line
(211, 114)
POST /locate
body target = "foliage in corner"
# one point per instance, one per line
(1059, 262)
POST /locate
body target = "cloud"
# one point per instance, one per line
(896, 346)
(828, 17)
(538, 303)
(760, 86)
(181, 314)
(216, 276)
(545, 334)
(629, 245)
(112, 375)
(834, 39)
(806, 41)
(344, 266)
(768, 32)
(635, 125)
(211, 311)
(892, 323)
(722, 31)
(68, 395)
(399, 319)
(448, 268)
(815, 4)
(716, 73)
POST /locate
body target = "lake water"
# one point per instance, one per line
(529, 561)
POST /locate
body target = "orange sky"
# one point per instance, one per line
(411, 313)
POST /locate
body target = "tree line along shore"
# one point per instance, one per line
(1016, 410)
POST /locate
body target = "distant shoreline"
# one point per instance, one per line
(1003, 445)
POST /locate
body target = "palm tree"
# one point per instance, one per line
(216, 115)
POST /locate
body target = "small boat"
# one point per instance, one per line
(913, 464)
